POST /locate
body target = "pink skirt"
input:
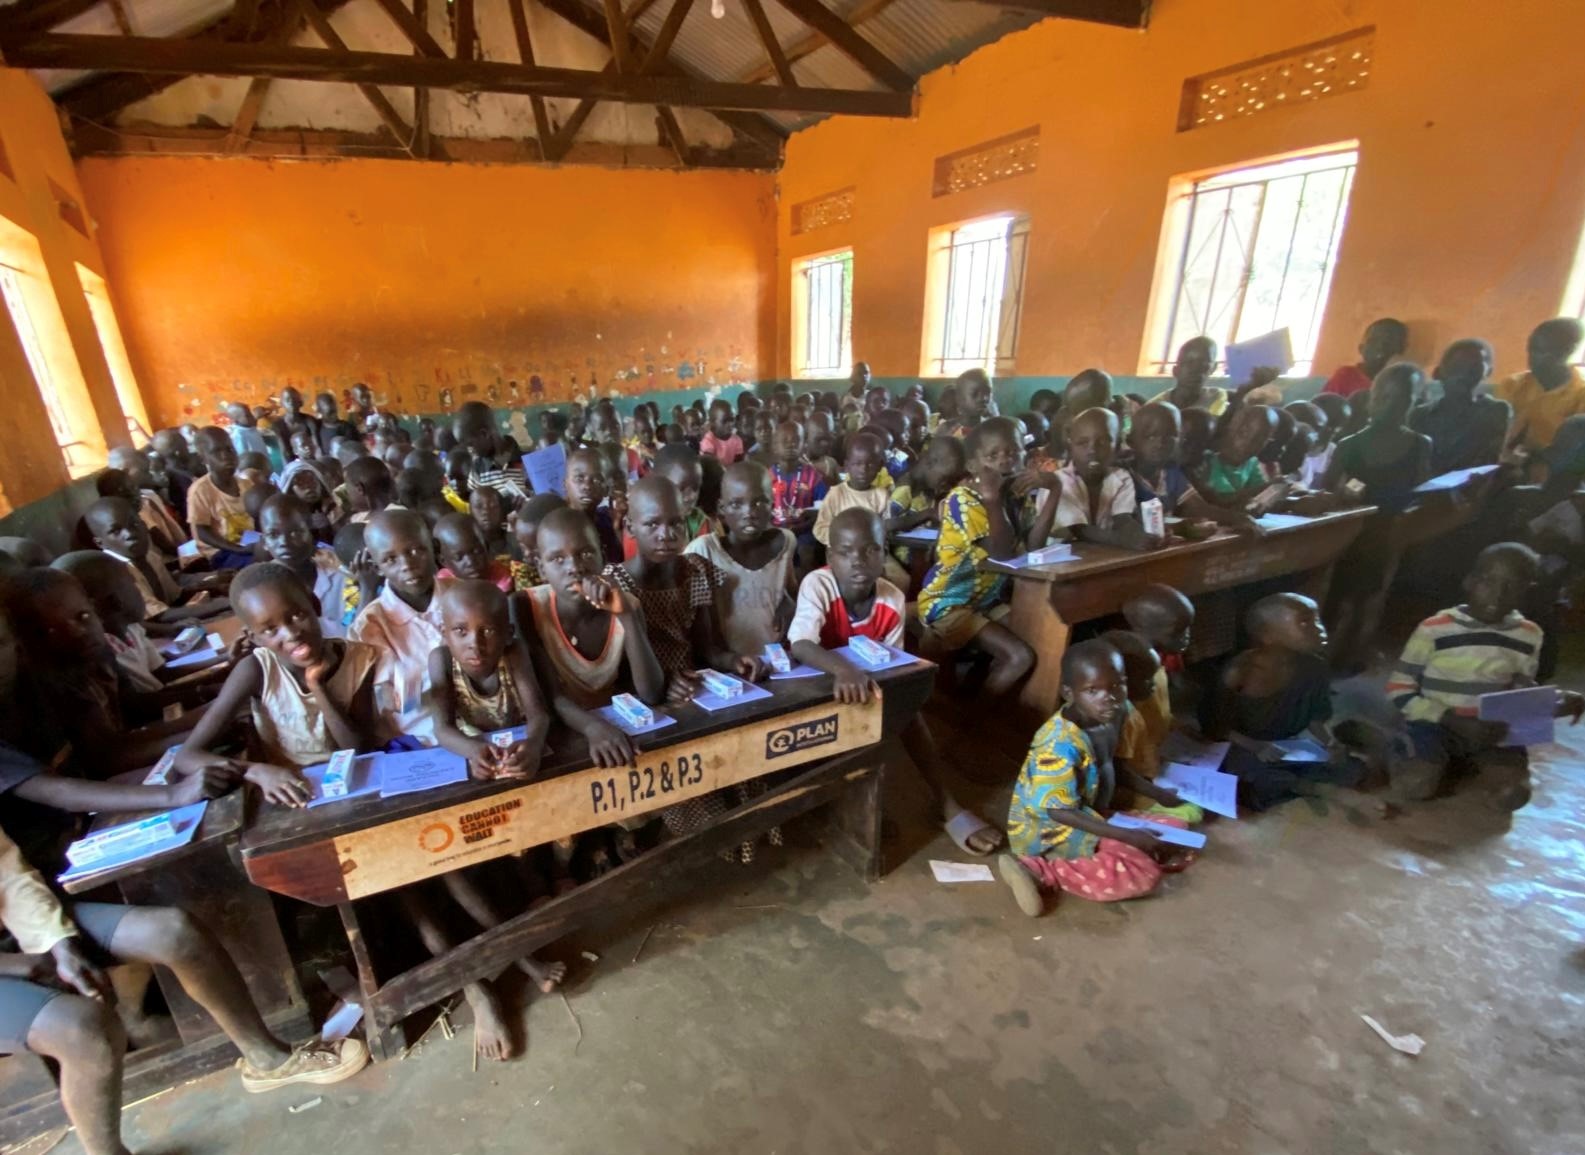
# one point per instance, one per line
(1115, 872)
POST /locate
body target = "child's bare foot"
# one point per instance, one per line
(492, 1037)
(1026, 891)
(547, 974)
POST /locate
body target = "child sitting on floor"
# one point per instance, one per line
(1095, 501)
(849, 598)
(753, 561)
(1277, 690)
(309, 695)
(1165, 619)
(285, 534)
(1481, 647)
(482, 681)
(992, 514)
(404, 621)
(462, 553)
(1058, 835)
(525, 530)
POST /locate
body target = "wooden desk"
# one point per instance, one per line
(339, 853)
(1048, 600)
(207, 883)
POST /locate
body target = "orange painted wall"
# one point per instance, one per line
(1466, 211)
(237, 277)
(30, 463)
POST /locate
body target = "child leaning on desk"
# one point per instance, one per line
(1483, 646)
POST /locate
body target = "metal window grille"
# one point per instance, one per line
(828, 315)
(1259, 250)
(74, 450)
(984, 295)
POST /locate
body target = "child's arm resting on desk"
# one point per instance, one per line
(649, 680)
(853, 685)
(278, 783)
(85, 796)
(214, 539)
(482, 757)
(608, 746)
(521, 758)
(1125, 532)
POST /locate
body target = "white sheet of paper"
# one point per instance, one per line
(1281, 521)
(1272, 350)
(1187, 751)
(960, 871)
(920, 537)
(1302, 750)
(1176, 835)
(1210, 789)
(413, 771)
(1531, 714)
(1453, 480)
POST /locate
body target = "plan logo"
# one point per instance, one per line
(803, 736)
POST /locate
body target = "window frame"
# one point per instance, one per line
(946, 292)
(803, 331)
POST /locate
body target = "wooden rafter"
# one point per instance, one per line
(189, 58)
(118, 12)
(767, 36)
(422, 143)
(415, 32)
(616, 27)
(383, 108)
(671, 134)
(247, 116)
(19, 21)
(811, 41)
(525, 53)
(850, 43)
(1121, 13)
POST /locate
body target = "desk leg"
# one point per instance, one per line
(1036, 621)
(382, 1030)
(855, 829)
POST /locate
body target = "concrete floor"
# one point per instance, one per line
(791, 1009)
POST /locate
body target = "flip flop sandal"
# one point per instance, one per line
(965, 824)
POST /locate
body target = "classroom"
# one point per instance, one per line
(792, 576)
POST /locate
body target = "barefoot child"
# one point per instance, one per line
(309, 695)
(404, 621)
(850, 598)
(462, 553)
(1278, 689)
(1481, 647)
(990, 515)
(1058, 835)
(753, 561)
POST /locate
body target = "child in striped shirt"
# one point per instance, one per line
(1484, 646)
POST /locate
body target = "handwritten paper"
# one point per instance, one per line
(1302, 750)
(1454, 480)
(363, 780)
(1531, 714)
(1272, 350)
(184, 821)
(960, 871)
(1210, 789)
(418, 770)
(713, 702)
(1188, 751)
(660, 723)
(898, 658)
(546, 469)
(1176, 835)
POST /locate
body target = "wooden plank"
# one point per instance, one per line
(813, 41)
(467, 33)
(118, 11)
(656, 876)
(616, 29)
(409, 850)
(525, 53)
(20, 21)
(671, 134)
(248, 112)
(850, 43)
(1117, 13)
(767, 36)
(423, 143)
(128, 53)
(386, 111)
(415, 32)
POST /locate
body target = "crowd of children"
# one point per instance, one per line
(400, 583)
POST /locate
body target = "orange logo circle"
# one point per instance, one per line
(435, 838)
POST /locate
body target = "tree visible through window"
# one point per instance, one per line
(978, 268)
(824, 304)
(1258, 248)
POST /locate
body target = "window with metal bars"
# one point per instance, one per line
(1258, 246)
(978, 297)
(823, 314)
(78, 454)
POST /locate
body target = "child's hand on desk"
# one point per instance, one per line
(210, 782)
(750, 668)
(853, 687)
(484, 763)
(609, 747)
(519, 760)
(282, 786)
(1570, 705)
(683, 686)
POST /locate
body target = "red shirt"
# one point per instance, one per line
(1347, 381)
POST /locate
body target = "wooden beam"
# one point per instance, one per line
(422, 144)
(20, 21)
(188, 58)
(638, 9)
(583, 18)
(248, 112)
(616, 29)
(118, 11)
(383, 108)
(467, 32)
(525, 53)
(415, 32)
(767, 36)
(850, 43)
(812, 41)
(671, 134)
(1118, 13)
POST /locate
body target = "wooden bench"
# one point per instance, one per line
(1047, 601)
(817, 751)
